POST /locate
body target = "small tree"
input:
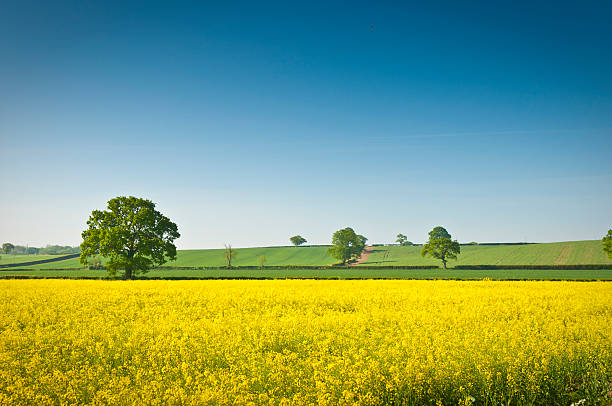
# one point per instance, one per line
(261, 260)
(401, 239)
(346, 244)
(441, 247)
(297, 240)
(131, 234)
(229, 254)
(7, 247)
(607, 244)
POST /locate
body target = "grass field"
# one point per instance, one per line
(573, 252)
(305, 342)
(558, 253)
(498, 274)
(245, 256)
(14, 259)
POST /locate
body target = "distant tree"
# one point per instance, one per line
(261, 260)
(441, 247)
(346, 244)
(229, 254)
(607, 244)
(95, 263)
(7, 247)
(401, 239)
(31, 250)
(297, 240)
(131, 234)
(473, 243)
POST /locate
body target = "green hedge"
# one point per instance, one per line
(561, 267)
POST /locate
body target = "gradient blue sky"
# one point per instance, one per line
(248, 123)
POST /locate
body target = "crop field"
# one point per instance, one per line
(14, 259)
(564, 253)
(354, 272)
(214, 257)
(305, 342)
(558, 253)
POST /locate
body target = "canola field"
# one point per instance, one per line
(305, 342)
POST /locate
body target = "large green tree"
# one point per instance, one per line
(131, 234)
(7, 247)
(441, 246)
(346, 245)
(297, 240)
(438, 232)
(607, 244)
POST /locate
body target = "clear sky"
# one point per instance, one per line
(251, 122)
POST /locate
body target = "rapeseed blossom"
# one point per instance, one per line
(305, 342)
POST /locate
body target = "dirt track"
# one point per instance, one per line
(364, 255)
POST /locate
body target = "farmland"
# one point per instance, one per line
(563, 253)
(12, 259)
(304, 342)
(558, 253)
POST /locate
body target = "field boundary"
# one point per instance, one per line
(339, 267)
(536, 267)
(318, 278)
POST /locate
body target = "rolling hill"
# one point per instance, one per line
(559, 253)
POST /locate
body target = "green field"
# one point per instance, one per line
(560, 253)
(15, 259)
(499, 274)
(275, 256)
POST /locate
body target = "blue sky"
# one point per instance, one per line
(248, 123)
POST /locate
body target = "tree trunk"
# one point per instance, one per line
(128, 272)
(444, 262)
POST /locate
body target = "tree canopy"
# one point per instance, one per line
(131, 234)
(438, 232)
(7, 247)
(297, 240)
(607, 243)
(401, 239)
(441, 246)
(346, 245)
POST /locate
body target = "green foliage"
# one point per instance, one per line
(261, 261)
(346, 245)
(440, 246)
(229, 254)
(7, 247)
(297, 240)
(401, 239)
(95, 263)
(438, 232)
(131, 234)
(607, 244)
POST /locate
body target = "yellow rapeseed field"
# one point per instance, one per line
(305, 342)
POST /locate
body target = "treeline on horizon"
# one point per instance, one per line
(47, 250)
